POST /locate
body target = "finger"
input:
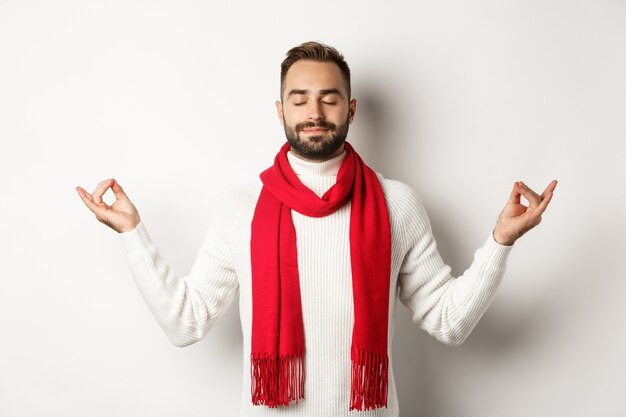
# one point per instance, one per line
(83, 194)
(515, 194)
(100, 190)
(118, 190)
(533, 198)
(86, 197)
(550, 188)
(544, 203)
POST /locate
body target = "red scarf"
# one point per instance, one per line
(277, 355)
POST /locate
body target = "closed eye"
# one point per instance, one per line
(325, 102)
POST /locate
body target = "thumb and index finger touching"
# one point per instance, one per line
(535, 200)
(94, 201)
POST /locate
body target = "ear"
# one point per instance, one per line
(279, 111)
(352, 109)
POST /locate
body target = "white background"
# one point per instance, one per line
(176, 101)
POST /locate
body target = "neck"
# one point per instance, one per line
(339, 151)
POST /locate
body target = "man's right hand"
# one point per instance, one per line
(121, 216)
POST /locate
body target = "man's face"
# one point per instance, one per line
(315, 110)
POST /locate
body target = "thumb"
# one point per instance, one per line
(515, 194)
(118, 190)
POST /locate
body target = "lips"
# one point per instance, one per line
(314, 130)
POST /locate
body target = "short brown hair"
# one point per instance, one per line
(314, 51)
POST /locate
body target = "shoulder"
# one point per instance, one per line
(234, 204)
(398, 193)
(241, 195)
(403, 201)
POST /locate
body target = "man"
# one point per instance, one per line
(320, 250)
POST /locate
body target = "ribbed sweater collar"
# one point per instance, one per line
(326, 168)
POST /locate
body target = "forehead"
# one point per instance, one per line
(312, 75)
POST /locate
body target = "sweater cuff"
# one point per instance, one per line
(499, 252)
(135, 241)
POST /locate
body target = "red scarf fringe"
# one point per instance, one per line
(263, 370)
(369, 379)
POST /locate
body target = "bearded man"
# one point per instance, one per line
(319, 251)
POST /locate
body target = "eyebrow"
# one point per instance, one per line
(322, 92)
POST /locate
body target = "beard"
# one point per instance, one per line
(317, 147)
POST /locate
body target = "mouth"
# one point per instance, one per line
(316, 130)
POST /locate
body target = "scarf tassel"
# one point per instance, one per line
(270, 390)
(369, 379)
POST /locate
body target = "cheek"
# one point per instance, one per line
(288, 122)
(340, 115)
(292, 118)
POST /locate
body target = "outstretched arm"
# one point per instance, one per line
(186, 307)
(448, 307)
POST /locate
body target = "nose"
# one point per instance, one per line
(315, 111)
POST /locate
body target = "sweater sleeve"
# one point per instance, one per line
(185, 307)
(446, 307)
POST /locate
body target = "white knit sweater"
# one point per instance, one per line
(446, 307)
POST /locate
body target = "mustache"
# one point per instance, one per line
(311, 125)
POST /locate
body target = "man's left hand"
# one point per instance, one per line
(515, 219)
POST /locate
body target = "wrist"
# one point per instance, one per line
(502, 240)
